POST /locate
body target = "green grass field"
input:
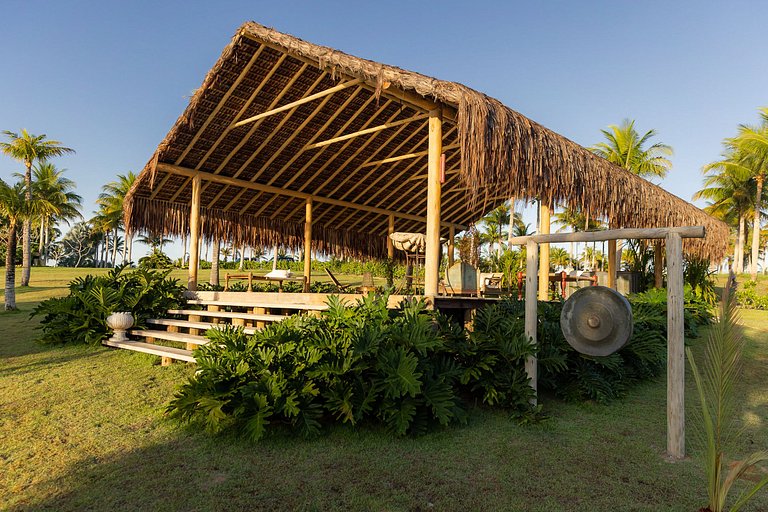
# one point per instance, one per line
(83, 428)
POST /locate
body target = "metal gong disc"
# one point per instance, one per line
(596, 320)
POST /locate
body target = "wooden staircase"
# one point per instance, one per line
(186, 327)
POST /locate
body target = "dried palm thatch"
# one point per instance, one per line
(492, 153)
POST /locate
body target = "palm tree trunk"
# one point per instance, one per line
(242, 257)
(129, 243)
(114, 247)
(738, 265)
(10, 268)
(756, 227)
(125, 247)
(214, 280)
(26, 260)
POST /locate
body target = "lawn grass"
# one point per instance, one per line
(83, 428)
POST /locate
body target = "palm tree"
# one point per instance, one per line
(58, 201)
(752, 142)
(154, 241)
(28, 148)
(559, 257)
(110, 203)
(494, 221)
(729, 191)
(626, 148)
(14, 206)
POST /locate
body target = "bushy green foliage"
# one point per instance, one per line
(156, 259)
(377, 268)
(406, 369)
(748, 297)
(701, 279)
(698, 312)
(80, 317)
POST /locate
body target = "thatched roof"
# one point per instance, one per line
(258, 174)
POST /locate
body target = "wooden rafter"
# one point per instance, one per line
(293, 104)
(373, 129)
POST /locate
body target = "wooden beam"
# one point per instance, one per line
(373, 129)
(612, 234)
(194, 233)
(451, 249)
(390, 230)
(612, 268)
(288, 106)
(531, 306)
(308, 245)
(432, 252)
(544, 228)
(675, 348)
(216, 178)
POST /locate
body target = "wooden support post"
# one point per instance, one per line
(675, 348)
(165, 361)
(612, 264)
(194, 236)
(432, 256)
(308, 245)
(260, 324)
(531, 304)
(658, 265)
(390, 230)
(544, 229)
(451, 249)
(196, 332)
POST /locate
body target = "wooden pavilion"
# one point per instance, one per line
(293, 144)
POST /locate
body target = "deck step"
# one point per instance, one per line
(170, 336)
(261, 317)
(194, 325)
(257, 304)
(149, 348)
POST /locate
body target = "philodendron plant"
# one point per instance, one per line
(716, 384)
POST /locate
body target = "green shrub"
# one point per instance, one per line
(406, 369)
(748, 297)
(700, 279)
(157, 259)
(80, 317)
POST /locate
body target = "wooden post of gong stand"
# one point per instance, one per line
(675, 311)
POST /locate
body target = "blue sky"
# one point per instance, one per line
(110, 78)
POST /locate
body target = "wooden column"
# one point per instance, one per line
(432, 256)
(544, 229)
(390, 230)
(308, 245)
(612, 264)
(451, 248)
(658, 265)
(194, 233)
(531, 267)
(675, 348)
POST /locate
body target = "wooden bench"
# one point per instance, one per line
(259, 304)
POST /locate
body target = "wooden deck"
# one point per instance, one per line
(251, 311)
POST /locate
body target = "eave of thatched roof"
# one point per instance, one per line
(256, 176)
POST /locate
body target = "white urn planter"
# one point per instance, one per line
(120, 322)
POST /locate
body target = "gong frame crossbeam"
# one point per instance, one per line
(673, 237)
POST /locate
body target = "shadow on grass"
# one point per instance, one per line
(57, 358)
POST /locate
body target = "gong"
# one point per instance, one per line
(596, 321)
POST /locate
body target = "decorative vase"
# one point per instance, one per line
(120, 322)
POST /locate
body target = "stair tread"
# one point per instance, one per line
(257, 304)
(194, 325)
(170, 336)
(228, 314)
(149, 348)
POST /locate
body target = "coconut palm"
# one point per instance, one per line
(559, 257)
(752, 143)
(15, 207)
(111, 202)
(59, 202)
(728, 189)
(154, 241)
(494, 221)
(625, 147)
(28, 149)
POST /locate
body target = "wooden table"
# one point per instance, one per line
(558, 277)
(251, 278)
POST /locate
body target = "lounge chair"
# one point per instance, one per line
(341, 287)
